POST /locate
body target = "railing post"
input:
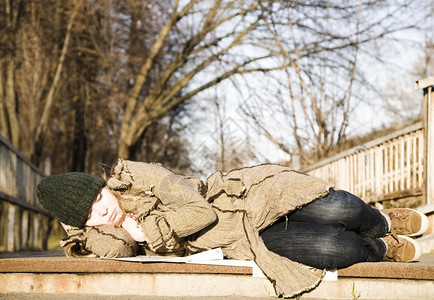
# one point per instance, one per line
(47, 166)
(428, 124)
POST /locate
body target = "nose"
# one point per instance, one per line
(100, 210)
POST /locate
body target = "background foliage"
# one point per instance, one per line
(86, 82)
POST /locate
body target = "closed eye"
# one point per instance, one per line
(98, 198)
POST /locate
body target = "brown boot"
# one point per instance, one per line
(401, 248)
(407, 221)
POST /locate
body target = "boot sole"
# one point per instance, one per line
(424, 226)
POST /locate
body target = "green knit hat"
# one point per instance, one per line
(69, 196)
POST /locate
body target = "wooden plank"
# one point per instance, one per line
(24, 204)
(3, 226)
(401, 162)
(10, 147)
(424, 83)
(10, 233)
(378, 171)
(388, 168)
(408, 163)
(414, 162)
(36, 236)
(361, 157)
(372, 175)
(401, 194)
(24, 229)
(420, 163)
(429, 156)
(395, 165)
(17, 228)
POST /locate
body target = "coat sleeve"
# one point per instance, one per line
(103, 241)
(181, 211)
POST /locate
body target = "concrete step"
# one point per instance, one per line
(49, 275)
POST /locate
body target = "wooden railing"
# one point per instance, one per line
(391, 167)
(23, 222)
(396, 166)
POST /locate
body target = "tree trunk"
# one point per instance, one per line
(49, 100)
(4, 128)
(128, 142)
(10, 97)
(79, 137)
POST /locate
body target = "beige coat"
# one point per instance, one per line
(175, 217)
(180, 215)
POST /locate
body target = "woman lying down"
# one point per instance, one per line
(294, 226)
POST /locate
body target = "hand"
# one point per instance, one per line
(131, 225)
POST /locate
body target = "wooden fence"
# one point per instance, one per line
(387, 168)
(396, 166)
(23, 221)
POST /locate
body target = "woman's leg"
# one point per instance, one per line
(321, 246)
(344, 210)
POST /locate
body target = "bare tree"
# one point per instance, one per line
(9, 125)
(316, 99)
(233, 149)
(209, 35)
(64, 75)
(89, 81)
(49, 98)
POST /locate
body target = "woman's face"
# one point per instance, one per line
(105, 210)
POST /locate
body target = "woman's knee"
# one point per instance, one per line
(346, 198)
(347, 203)
(339, 250)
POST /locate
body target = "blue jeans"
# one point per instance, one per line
(332, 232)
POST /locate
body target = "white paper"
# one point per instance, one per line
(210, 257)
(331, 275)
